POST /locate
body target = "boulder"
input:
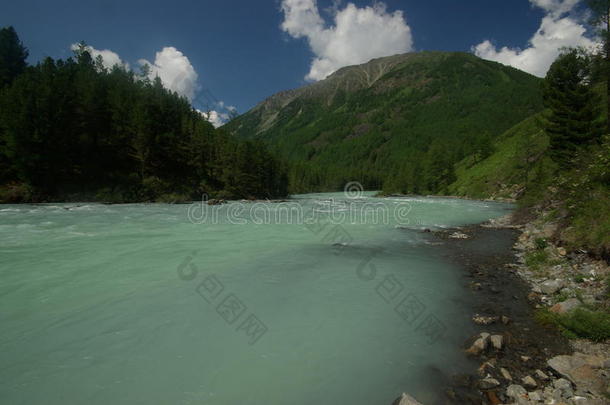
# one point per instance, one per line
(488, 383)
(565, 306)
(496, 341)
(535, 396)
(506, 375)
(479, 345)
(216, 202)
(528, 381)
(406, 399)
(516, 392)
(584, 371)
(551, 286)
(541, 375)
(484, 320)
(565, 386)
(587, 401)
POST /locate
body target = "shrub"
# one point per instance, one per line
(536, 259)
(580, 323)
(579, 278)
(541, 243)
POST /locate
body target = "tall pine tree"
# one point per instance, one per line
(12, 56)
(571, 122)
(600, 18)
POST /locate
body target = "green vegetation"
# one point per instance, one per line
(579, 278)
(72, 129)
(580, 323)
(399, 123)
(535, 162)
(572, 103)
(536, 259)
(540, 243)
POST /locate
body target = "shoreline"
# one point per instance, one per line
(520, 360)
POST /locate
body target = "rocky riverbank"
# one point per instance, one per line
(518, 278)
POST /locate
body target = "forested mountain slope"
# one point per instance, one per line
(399, 122)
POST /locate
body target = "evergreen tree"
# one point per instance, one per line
(75, 127)
(572, 104)
(600, 17)
(12, 56)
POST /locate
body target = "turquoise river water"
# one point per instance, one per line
(247, 303)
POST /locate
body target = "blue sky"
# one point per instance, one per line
(242, 53)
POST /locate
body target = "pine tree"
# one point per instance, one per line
(570, 123)
(13, 56)
(600, 17)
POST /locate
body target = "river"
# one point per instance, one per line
(325, 299)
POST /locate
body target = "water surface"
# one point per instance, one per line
(94, 310)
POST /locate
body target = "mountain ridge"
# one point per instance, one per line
(362, 121)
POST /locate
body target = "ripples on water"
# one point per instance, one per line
(93, 310)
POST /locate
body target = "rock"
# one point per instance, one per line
(561, 251)
(535, 396)
(586, 401)
(488, 383)
(565, 386)
(552, 395)
(484, 320)
(483, 368)
(528, 381)
(516, 392)
(584, 371)
(565, 306)
(551, 286)
(525, 359)
(562, 384)
(406, 399)
(505, 320)
(493, 398)
(496, 341)
(541, 375)
(458, 235)
(216, 202)
(506, 375)
(479, 345)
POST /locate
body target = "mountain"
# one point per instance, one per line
(399, 122)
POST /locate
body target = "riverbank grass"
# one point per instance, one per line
(582, 323)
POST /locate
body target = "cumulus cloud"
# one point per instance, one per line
(175, 71)
(555, 7)
(557, 30)
(110, 59)
(177, 74)
(357, 36)
(214, 117)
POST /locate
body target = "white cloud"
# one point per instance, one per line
(357, 36)
(556, 31)
(175, 71)
(110, 58)
(229, 108)
(555, 7)
(214, 117)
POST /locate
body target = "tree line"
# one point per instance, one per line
(74, 129)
